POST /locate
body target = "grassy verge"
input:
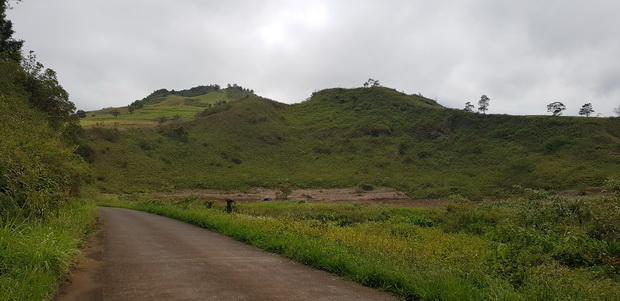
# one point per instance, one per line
(35, 255)
(537, 248)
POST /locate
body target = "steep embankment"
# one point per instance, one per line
(358, 138)
(40, 227)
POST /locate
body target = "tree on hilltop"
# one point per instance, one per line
(372, 83)
(586, 109)
(469, 107)
(483, 104)
(617, 111)
(556, 108)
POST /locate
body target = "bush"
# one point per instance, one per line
(461, 218)
(37, 169)
(612, 184)
(108, 134)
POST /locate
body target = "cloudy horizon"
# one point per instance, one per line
(522, 54)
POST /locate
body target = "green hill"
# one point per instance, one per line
(365, 137)
(162, 106)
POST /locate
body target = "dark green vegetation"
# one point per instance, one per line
(539, 247)
(38, 167)
(351, 137)
(40, 227)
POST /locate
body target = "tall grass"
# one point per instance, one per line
(35, 254)
(497, 251)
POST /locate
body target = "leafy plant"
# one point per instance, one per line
(612, 184)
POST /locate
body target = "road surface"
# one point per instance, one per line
(141, 256)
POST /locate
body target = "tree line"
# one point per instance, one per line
(45, 94)
(555, 108)
(39, 167)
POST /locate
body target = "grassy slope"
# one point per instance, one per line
(171, 106)
(348, 137)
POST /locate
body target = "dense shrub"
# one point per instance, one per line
(37, 169)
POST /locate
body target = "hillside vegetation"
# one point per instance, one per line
(366, 137)
(163, 106)
(38, 169)
(41, 224)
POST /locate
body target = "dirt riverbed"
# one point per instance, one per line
(382, 196)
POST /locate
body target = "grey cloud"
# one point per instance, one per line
(523, 54)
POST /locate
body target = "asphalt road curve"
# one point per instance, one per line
(141, 256)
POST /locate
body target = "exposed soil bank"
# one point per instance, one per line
(383, 196)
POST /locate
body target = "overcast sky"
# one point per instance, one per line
(523, 54)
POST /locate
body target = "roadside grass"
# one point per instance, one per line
(540, 247)
(34, 255)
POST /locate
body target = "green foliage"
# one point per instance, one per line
(284, 190)
(159, 108)
(612, 184)
(372, 83)
(586, 110)
(39, 227)
(37, 169)
(47, 95)
(556, 108)
(469, 107)
(35, 255)
(108, 134)
(10, 49)
(483, 104)
(159, 96)
(177, 133)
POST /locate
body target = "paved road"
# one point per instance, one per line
(141, 256)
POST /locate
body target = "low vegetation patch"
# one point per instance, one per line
(35, 254)
(540, 247)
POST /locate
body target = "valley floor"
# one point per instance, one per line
(383, 196)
